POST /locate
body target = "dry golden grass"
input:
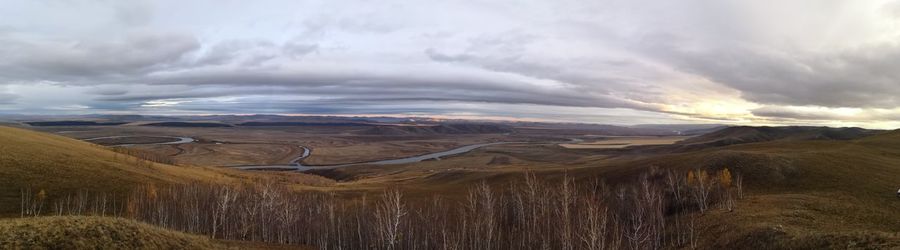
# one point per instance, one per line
(77, 232)
(89, 232)
(799, 221)
(56, 164)
(803, 194)
(61, 166)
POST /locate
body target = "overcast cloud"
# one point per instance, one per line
(603, 61)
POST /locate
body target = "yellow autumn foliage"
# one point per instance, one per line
(691, 178)
(725, 178)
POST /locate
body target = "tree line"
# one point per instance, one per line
(658, 210)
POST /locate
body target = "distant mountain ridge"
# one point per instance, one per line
(73, 123)
(438, 129)
(188, 124)
(300, 124)
(746, 134)
(682, 129)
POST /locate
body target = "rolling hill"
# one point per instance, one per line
(62, 167)
(78, 232)
(56, 164)
(745, 134)
(810, 188)
(188, 124)
(90, 232)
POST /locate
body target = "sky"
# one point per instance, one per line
(751, 62)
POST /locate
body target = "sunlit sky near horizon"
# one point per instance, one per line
(804, 62)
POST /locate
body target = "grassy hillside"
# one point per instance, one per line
(94, 233)
(61, 165)
(86, 232)
(803, 193)
(745, 134)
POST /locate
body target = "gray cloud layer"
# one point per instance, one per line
(6, 98)
(720, 60)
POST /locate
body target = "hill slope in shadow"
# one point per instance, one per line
(746, 134)
(809, 188)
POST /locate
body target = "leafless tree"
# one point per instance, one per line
(564, 213)
(389, 215)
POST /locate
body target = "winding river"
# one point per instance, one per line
(297, 163)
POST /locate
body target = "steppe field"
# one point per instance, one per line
(769, 172)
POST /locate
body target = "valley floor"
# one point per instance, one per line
(800, 194)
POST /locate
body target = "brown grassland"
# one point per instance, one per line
(278, 145)
(60, 165)
(93, 232)
(798, 194)
(76, 232)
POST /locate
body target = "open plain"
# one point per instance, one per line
(777, 166)
(236, 146)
